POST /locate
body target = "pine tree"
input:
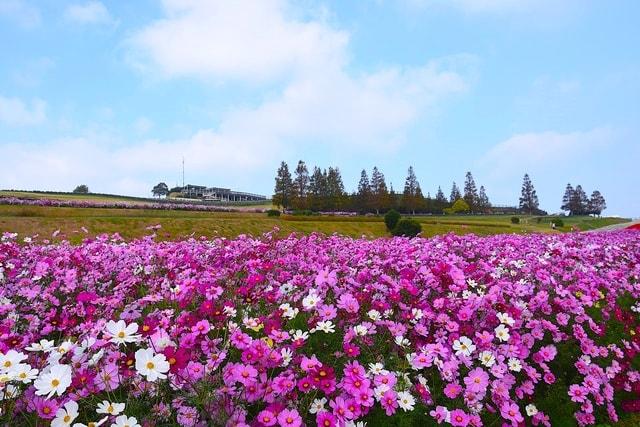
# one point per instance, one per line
(335, 189)
(566, 199)
(283, 188)
(440, 197)
(597, 203)
(300, 186)
(470, 192)
(579, 203)
(455, 193)
(528, 197)
(483, 200)
(409, 196)
(364, 193)
(380, 194)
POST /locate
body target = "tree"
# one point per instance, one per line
(283, 188)
(410, 194)
(300, 186)
(470, 192)
(364, 192)
(379, 191)
(579, 202)
(317, 189)
(483, 200)
(597, 203)
(81, 189)
(391, 218)
(160, 190)
(528, 197)
(566, 199)
(460, 206)
(440, 197)
(455, 193)
(335, 189)
(407, 227)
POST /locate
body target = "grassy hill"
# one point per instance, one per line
(133, 223)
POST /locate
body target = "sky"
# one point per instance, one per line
(113, 94)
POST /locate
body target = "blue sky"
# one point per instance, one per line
(113, 93)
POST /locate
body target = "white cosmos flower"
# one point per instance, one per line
(287, 355)
(286, 288)
(361, 330)
(531, 409)
(9, 392)
(487, 358)
(65, 415)
(93, 423)
(43, 345)
(406, 401)
(373, 315)
(317, 405)
(514, 364)
(506, 319)
(150, 365)
(502, 333)
(464, 346)
(124, 421)
(401, 341)
(299, 335)
(310, 301)
(325, 326)
(121, 333)
(24, 372)
(288, 311)
(10, 359)
(106, 407)
(54, 381)
(377, 369)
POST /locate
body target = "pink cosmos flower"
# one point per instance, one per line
(326, 419)
(289, 418)
(477, 380)
(458, 418)
(266, 418)
(511, 412)
(389, 402)
(577, 393)
(452, 390)
(439, 414)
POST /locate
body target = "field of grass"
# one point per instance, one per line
(133, 223)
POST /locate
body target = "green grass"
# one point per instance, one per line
(133, 223)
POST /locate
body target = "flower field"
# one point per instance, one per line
(316, 330)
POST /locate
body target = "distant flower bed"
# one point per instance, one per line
(326, 331)
(17, 201)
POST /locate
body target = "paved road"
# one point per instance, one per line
(635, 223)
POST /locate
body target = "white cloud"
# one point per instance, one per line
(142, 125)
(21, 11)
(15, 112)
(544, 150)
(91, 12)
(255, 40)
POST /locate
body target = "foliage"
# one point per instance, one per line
(391, 219)
(460, 205)
(81, 189)
(160, 189)
(528, 197)
(558, 222)
(273, 212)
(515, 220)
(390, 332)
(407, 227)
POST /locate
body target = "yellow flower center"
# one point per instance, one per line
(55, 382)
(150, 365)
(121, 334)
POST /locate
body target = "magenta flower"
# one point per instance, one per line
(458, 418)
(389, 402)
(289, 418)
(477, 380)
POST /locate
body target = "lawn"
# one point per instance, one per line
(134, 223)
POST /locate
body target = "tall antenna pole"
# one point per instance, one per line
(183, 171)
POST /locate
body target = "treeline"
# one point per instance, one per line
(323, 190)
(576, 202)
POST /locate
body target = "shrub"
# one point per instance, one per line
(391, 219)
(273, 212)
(407, 227)
(558, 222)
(460, 206)
(515, 220)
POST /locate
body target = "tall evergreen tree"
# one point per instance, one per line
(528, 197)
(597, 203)
(335, 189)
(483, 200)
(300, 186)
(440, 197)
(379, 191)
(283, 188)
(566, 199)
(455, 193)
(470, 192)
(409, 195)
(579, 203)
(363, 196)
